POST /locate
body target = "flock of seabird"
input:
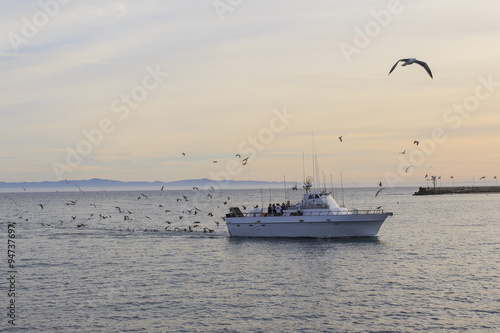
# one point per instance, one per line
(404, 62)
(244, 161)
(168, 219)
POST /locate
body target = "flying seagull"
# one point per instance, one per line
(416, 142)
(79, 189)
(379, 191)
(340, 138)
(410, 61)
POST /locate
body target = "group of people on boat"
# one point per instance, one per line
(277, 209)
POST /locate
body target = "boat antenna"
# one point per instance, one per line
(331, 181)
(303, 169)
(314, 167)
(324, 183)
(342, 189)
(318, 179)
(314, 161)
(284, 185)
(261, 201)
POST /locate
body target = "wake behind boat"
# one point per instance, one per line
(318, 215)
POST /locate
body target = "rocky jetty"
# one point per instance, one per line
(457, 190)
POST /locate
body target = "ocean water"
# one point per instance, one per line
(83, 265)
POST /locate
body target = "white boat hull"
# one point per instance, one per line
(349, 225)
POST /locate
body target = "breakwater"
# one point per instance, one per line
(457, 190)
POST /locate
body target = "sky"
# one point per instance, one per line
(160, 90)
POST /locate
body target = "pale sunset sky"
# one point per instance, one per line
(121, 89)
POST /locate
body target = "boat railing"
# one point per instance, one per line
(302, 213)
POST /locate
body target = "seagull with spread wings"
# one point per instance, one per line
(409, 61)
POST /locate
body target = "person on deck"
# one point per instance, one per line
(278, 209)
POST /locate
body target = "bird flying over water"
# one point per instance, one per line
(416, 142)
(409, 61)
(379, 191)
(340, 138)
(79, 189)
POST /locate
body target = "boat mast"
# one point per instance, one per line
(261, 201)
(284, 185)
(342, 189)
(314, 161)
(318, 179)
(331, 181)
(303, 168)
(324, 182)
(314, 169)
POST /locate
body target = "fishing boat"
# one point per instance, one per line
(317, 215)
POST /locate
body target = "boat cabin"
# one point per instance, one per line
(322, 200)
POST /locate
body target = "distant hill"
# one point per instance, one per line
(108, 184)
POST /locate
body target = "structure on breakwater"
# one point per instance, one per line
(457, 190)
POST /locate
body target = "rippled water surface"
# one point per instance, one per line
(434, 267)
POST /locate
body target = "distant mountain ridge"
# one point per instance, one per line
(97, 183)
